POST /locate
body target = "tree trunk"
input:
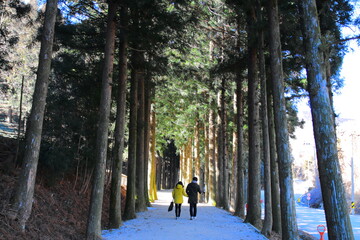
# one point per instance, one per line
(337, 217)
(275, 190)
(221, 152)
(267, 224)
(240, 197)
(148, 96)
(20, 119)
(153, 185)
(225, 172)
(212, 161)
(288, 221)
(324, 7)
(94, 219)
(254, 209)
(22, 204)
(131, 176)
(115, 195)
(207, 162)
(140, 160)
(189, 160)
(197, 150)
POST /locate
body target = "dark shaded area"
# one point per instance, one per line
(59, 211)
(168, 166)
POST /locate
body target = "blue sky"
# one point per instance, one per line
(346, 103)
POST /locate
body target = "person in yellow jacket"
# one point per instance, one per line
(177, 195)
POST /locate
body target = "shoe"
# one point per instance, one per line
(194, 218)
(176, 218)
(191, 218)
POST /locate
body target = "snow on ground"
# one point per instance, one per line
(157, 223)
(211, 223)
(308, 219)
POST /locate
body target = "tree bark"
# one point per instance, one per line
(212, 161)
(197, 150)
(222, 161)
(240, 197)
(22, 204)
(275, 190)
(328, 41)
(131, 176)
(115, 195)
(233, 167)
(94, 219)
(20, 120)
(267, 223)
(337, 217)
(140, 160)
(207, 162)
(153, 185)
(254, 209)
(288, 220)
(148, 96)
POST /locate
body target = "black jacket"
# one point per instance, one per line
(192, 191)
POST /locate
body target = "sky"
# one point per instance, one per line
(345, 102)
(347, 98)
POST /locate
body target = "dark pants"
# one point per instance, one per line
(192, 209)
(177, 209)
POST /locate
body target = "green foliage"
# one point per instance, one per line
(73, 99)
(189, 48)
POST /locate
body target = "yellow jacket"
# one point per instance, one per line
(178, 193)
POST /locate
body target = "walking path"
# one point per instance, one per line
(309, 218)
(157, 223)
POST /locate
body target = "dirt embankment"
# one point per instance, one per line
(59, 212)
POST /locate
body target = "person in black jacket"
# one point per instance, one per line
(192, 191)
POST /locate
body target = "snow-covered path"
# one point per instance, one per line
(309, 218)
(157, 223)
